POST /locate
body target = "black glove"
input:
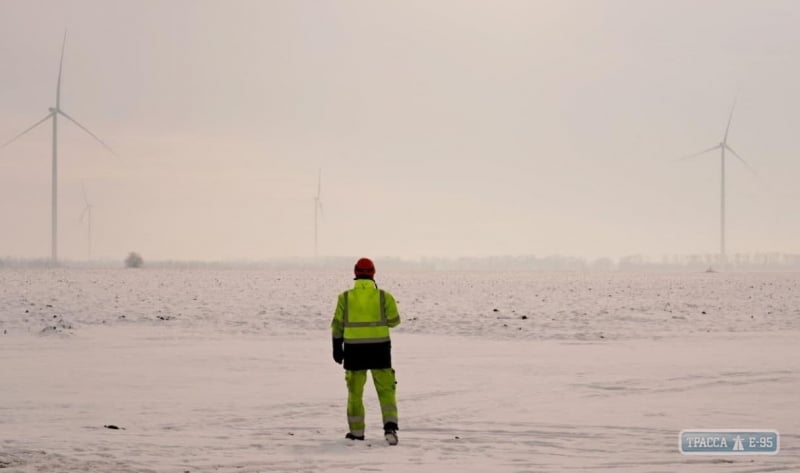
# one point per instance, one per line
(338, 350)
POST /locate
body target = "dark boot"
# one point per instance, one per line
(390, 433)
(350, 436)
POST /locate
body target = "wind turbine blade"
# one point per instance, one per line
(699, 153)
(728, 127)
(60, 65)
(27, 130)
(87, 131)
(741, 159)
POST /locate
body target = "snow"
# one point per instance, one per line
(230, 370)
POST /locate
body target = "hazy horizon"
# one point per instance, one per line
(441, 129)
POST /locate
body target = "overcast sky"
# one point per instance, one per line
(441, 128)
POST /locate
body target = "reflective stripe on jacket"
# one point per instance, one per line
(364, 314)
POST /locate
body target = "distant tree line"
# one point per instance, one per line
(764, 261)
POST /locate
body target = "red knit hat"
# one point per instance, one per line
(364, 268)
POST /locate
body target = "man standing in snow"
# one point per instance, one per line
(360, 330)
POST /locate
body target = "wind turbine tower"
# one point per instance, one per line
(54, 112)
(317, 213)
(723, 146)
(87, 212)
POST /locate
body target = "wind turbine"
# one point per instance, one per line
(317, 213)
(54, 112)
(723, 146)
(87, 212)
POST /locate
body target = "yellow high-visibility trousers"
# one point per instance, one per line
(385, 382)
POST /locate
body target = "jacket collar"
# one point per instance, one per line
(365, 284)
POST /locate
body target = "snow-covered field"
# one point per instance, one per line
(230, 371)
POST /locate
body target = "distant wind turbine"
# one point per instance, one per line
(54, 112)
(723, 146)
(317, 213)
(87, 212)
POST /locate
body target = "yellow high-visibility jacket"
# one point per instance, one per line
(364, 314)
